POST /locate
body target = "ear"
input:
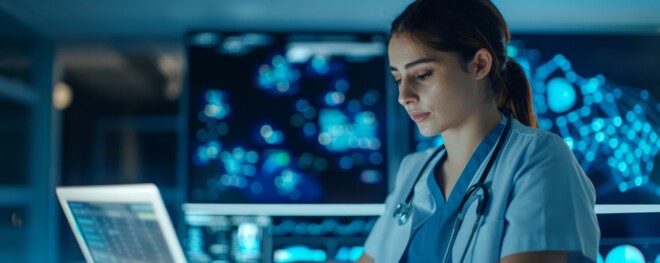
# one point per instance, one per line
(482, 63)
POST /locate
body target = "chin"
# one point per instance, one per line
(429, 131)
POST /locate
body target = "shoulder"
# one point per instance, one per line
(537, 142)
(540, 152)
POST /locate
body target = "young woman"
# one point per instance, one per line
(499, 190)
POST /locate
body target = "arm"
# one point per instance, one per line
(365, 259)
(536, 257)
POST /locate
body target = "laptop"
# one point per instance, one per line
(121, 223)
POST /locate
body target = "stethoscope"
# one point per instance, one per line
(404, 210)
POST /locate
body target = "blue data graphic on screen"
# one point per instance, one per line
(629, 238)
(286, 118)
(120, 232)
(600, 94)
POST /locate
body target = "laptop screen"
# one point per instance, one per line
(120, 223)
(120, 232)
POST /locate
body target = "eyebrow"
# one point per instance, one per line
(414, 63)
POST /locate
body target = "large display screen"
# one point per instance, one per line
(286, 118)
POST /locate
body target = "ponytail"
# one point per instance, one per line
(514, 93)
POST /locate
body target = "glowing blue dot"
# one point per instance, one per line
(611, 162)
(320, 64)
(625, 253)
(597, 124)
(598, 97)
(584, 130)
(623, 187)
(638, 153)
(617, 121)
(334, 98)
(618, 153)
(249, 170)
(370, 98)
(346, 163)
(512, 51)
(644, 94)
(376, 158)
(252, 157)
(561, 121)
(569, 141)
(341, 85)
(600, 137)
(561, 95)
(571, 76)
(638, 109)
(302, 105)
(617, 93)
(631, 134)
(649, 167)
(573, 117)
(582, 146)
(590, 156)
(647, 127)
(630, 158)
(610, 130)
(623, 166)
(309, 129)
(600, 259)
(609, 98)
(585, 111)
(370, 176)
(624, 147)
(613, 143)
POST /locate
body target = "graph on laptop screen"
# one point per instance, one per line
(286, 118)
(118, 232)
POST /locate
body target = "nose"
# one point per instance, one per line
(406, 94)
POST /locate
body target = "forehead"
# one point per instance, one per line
(403, 49)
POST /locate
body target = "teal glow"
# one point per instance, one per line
(561, 95)
(512, 51)
(276, 160)
(625, 254)
(298, 253)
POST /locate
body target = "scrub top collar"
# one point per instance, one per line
(439, 223)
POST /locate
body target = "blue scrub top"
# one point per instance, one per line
(541, 200)
(430, 241)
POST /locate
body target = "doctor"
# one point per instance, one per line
(499, 190)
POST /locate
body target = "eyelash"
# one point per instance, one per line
(421, 77)
(424, 76)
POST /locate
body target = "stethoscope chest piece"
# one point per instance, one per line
(403, 212)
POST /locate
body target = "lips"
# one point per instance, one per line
(418, 116)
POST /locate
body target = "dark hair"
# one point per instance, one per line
(463, 27)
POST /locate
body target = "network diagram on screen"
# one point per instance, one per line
(612, 129)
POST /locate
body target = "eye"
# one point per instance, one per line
(424, 76)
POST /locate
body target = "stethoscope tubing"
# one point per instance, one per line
(403, 210)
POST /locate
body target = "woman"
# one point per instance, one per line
(449, 59)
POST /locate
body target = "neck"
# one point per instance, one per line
(463, 139)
